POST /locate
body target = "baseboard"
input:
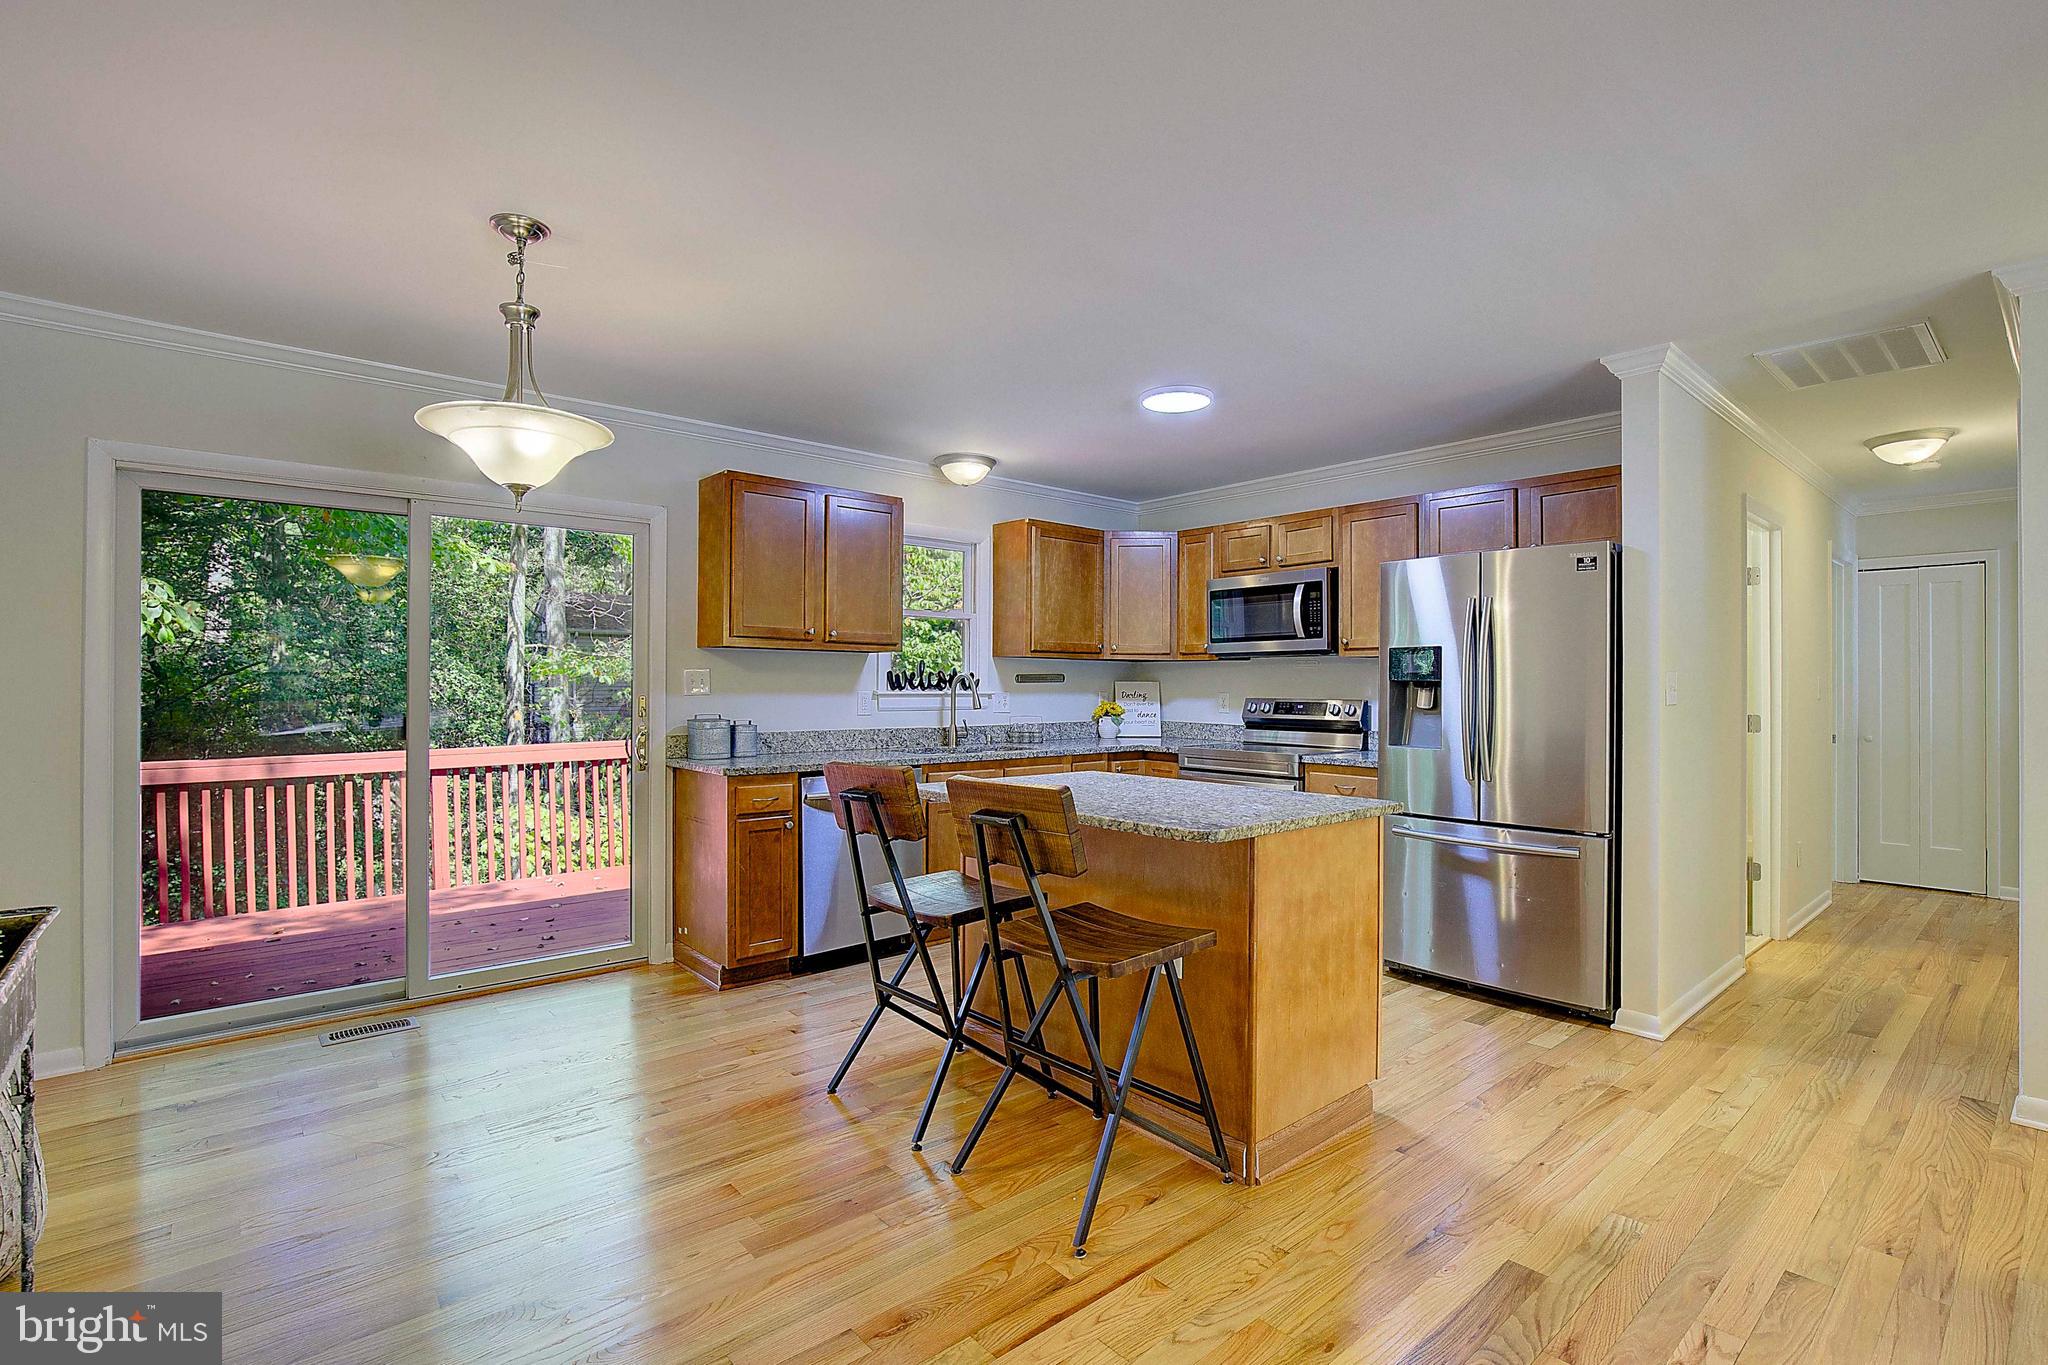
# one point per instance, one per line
(2008, 893)
(59, 1061)
(1808, 913)
(1658, 1027)
(2030, 1111)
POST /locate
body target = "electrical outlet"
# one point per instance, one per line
(1002, 703)
(1222, 701)
(696, 682)
(867, 704)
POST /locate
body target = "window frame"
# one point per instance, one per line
(968, 614)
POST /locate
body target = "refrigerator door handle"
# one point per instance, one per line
(1487, 845)
(1484, 668)
(1469, 689)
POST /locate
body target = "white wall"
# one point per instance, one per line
(1190, 690)
(1689, 477)
(1991, 525)
(59, 388)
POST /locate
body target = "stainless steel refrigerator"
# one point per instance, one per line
(1499, 732)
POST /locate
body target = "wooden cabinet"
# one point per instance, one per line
(1191, 601)
(1049, 589)
(1568, 508)
(1142, 618)
(1244, 548)
(1303, 541)
(1340, 781)
(1145, 765)
(1368, 536)
(1092, 763)
(764, 887)
(1469, 519)
(1024, 767)
(787, 565)
(737, 876)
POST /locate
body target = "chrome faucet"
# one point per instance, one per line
(954, 730)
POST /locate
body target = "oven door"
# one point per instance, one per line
(1273, 613)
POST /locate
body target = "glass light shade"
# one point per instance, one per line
(519, 445)
(1175, 399)
(366, 571)
(963, 468)
(1909, 447)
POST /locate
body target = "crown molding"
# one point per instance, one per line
(1291, 485)
(64, 317)
(1681, 369)
(1928, 502)
(2023, 277)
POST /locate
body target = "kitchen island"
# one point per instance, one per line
(1286, 1005)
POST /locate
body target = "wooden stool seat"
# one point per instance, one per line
(940, 897)
(1100, 942)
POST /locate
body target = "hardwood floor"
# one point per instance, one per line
(629, 1167)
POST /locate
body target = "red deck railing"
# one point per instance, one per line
(234, 836)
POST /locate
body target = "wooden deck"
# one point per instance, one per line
(632, 1168)
(235, 959)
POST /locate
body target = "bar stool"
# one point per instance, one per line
(884, 802)
(1035, 830)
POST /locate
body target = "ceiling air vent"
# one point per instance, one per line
(1811, 363)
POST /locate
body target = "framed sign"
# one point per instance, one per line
(1140, 701)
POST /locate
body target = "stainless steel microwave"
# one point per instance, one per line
(1290, 612)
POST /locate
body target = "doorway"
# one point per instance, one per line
(378, 747)
(1922, 726)
(1760, 725)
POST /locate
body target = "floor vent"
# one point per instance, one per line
(355, 1031)
(1813, 363)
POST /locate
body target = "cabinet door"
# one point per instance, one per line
(764, 887)
(1568, 510)
(1191, 606)
(1246, 548)
(1310, 538)
(863, 571)
(777, 545)
(1141, 594)
(1024, 767)
(1369, 537)
(1092, 763)
(1066, 590)
(1471, 519)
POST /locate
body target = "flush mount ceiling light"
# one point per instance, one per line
(517, 440)
(964, 467)
(1909, 447)
(1176, 398)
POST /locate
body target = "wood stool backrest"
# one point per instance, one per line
(1052, 831)
(895, 789)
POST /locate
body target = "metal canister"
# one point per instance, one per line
(710, 737)
(746, 739)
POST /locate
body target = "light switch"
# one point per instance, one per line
(696, 682)
(1671, 691)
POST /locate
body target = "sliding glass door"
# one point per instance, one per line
(383, 748)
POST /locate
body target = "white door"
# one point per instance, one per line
(1921, 727)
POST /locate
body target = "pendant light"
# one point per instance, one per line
(517, 440)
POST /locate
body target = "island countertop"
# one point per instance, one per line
(1193, 812)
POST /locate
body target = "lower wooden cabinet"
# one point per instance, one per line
(1340, 781)
(737, 875)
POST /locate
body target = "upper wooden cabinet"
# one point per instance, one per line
(1567, 508)
(1049, 589)
(787, 565)
(1244, 548)
(1468, 519)
(1191, 603)
(1300, 542)
(1140, 598)
(1367, 537)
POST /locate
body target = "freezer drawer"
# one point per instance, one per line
(1515, 910)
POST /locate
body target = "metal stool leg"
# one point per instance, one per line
(1118, 1095)
(1187, 1036)
(1010, 1069)
(954, 1044)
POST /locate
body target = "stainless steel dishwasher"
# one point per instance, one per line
(831, 914)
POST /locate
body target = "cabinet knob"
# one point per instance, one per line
(1346, 642)
(789, 824)
(810, 630)
(1262, 559)
(833, 634)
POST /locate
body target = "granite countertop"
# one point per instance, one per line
(814, 760)
(1193, 812)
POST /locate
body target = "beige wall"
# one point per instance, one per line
(1990, 525)
(59, 388)
(1689, 478)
